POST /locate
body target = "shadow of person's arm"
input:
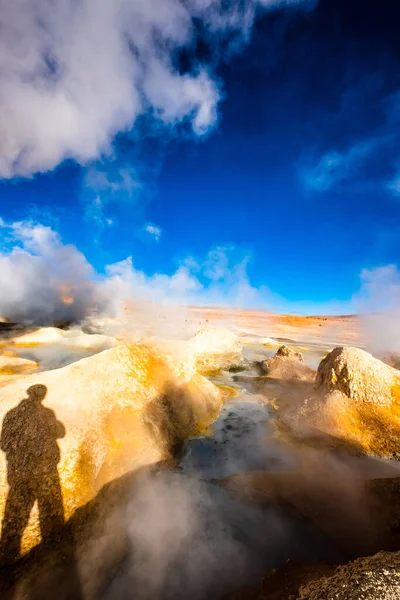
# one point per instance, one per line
(60, 430)
(55, 428)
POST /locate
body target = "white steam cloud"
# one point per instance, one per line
(38, 271)
(42, 280)
(75, 73)
(216, 280)
(189, 539)
(379, 303)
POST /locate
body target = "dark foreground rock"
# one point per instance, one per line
(375, 577)
(371, 578)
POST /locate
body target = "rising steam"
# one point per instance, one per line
(379, 303)
(42, 280)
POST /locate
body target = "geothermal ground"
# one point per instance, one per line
(336, 329)
(196, 458)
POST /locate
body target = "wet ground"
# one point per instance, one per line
(239, 441)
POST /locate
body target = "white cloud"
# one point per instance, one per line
(94, 210)
(216, 266)
(74, 74)
(394, 185)
(334, 167)
(112, 180)
(105, 185)
(154, 231)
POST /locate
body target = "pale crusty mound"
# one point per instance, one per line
(91, 422)
(372, 578)
(361, 402)
(356, 401)
(71, 338)
(215, 349)
(359, 376)
(13, 365)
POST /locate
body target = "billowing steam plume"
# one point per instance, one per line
(42, 280)
(379, 303)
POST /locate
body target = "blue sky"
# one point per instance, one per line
(284, 159)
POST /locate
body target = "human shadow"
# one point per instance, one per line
(29, 439)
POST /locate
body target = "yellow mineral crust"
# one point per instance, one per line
(95, 420)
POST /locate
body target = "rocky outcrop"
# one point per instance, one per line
(359, 376)
(355, 403)
(287, 364)
(358, 401)
(372, 578)
(216, 349)
(67, 432)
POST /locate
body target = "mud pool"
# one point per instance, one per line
(238, 441)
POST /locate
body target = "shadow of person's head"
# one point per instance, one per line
(37, 393)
